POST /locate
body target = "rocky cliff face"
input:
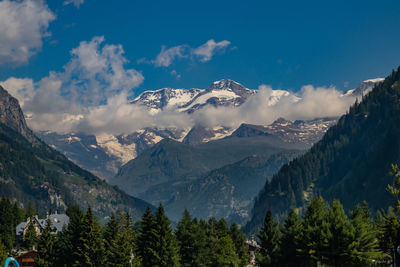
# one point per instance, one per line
(12, 116)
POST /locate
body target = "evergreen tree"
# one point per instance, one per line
(221, 228)
(239, 240)
(339, 236)
(166, 248)
(202, 244)
(89, 249)
(3, 253)
(30, 238)
(111, 235)
(290, 242)
(225, 254)
(70, 238)
(269, 237)
(186, 237)
(316, 234)
(7, 232)
(365, 246)
(45, 251)
(388, 233)
(147, 240)
(126, 240)
(118, 241)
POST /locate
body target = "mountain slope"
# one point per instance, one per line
(227, 192)
(171, 161)
(350, 163)
(34, 172)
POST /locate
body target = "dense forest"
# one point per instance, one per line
(323, 236)
(350, 163)
(149, 242)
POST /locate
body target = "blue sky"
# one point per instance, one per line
(286, 44)
(74, 65)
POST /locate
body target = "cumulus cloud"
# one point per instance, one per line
(167, 56)
(94, 74)
(203, 53)
(206, 51)
(91, 94)
(23, 25)
(76, 3)
(264, 107)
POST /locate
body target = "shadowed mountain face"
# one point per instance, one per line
(350, 163)
(31, 171)
(180, 175)
(11, 115)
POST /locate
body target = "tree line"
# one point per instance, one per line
(149, 242)
(326, 236)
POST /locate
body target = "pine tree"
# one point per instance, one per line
(185, 234)
(340, 236)
(45, 251)
(166, 248)
(239, 240)
(30, 238)
(202, 244)
(7, 232)
(147, 240)
(316, 232)
(126, 240)
(111, 235)
(89, 249)
(70, 238)
(290, 242)
(3, 253)
(269, 237)
(118, 241)
(365, 246)
(225, 254)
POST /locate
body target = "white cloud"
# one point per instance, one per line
(91, 95)
(167, 56)
(93, 75)
(203, 53)
(310, 103)
(176, 74)
(206, 51)
(22, 89)
(23, 24)
(76, 3)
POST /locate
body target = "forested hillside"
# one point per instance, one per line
(32, 172)
(350, 163)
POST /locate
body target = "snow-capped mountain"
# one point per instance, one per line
(220, 93)
(114, 151)
(364, 87)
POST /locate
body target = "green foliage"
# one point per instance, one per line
(350, 163)
(28, 171)
(45, 250)
(30, 237)
(225, 254)
(166, 246)
(89, 248)
(118, 241)
(365, 248)
(239, 240)
(3, 253)
(147, 240)
(269, 237)
(186, 237)
(7, 223)
(291, 239)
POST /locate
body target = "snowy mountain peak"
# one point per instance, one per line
(364, 87)
(226, 84)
